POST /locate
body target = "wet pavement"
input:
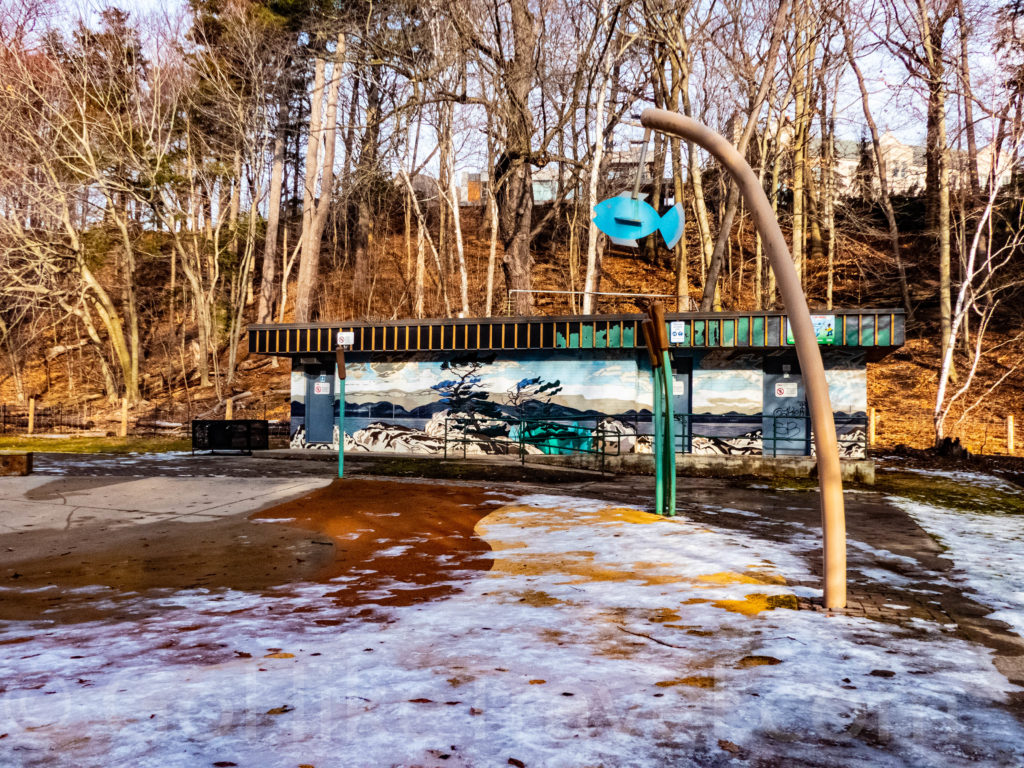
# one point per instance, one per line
(892, 560)
(93, 541)
(174, 464)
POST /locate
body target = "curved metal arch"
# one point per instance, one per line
(833, 516)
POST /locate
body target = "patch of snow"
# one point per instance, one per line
(880, 554)
(987, 550)
(395, 551)
(977, 479)
(599, 637)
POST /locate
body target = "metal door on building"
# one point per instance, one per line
(320, 405)
(682, 401)
(785, 424)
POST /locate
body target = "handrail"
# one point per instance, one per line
(687, 433)
(676, 297)
(597, 440)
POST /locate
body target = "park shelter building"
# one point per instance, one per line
(565, 384)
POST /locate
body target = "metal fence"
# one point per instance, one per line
(776, 434)
(169, 421)
(779, 434)
(981, 433)
(510, 435)
(58, 419)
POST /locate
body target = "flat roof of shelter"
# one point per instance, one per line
(876, 330)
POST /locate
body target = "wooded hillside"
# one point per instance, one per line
(167, 179)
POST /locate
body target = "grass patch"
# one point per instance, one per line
(949, 493)
(119, 445)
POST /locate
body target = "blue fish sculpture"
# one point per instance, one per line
(626, 219)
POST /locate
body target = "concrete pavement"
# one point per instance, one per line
(45, 503)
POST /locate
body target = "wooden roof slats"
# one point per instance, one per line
(860, 328)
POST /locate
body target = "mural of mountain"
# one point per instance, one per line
(389, 410)
(532, 409)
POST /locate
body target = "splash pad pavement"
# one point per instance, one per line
(169, 619)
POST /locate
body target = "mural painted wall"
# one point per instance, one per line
(727, 387)
(847, 375)
(549, 402)
(735, 410)
(545, 401)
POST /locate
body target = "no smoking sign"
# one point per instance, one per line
(786, 389)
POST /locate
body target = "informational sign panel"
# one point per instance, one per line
(321, 388)
(824, 329)
(786, 389)
(677, 332)
(346, 338)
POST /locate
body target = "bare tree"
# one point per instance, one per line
(914, 31)
(320, 152)
(756, 102)
(988, 280)
(506, 35)
(880, 161)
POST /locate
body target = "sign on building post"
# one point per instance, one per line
(786, 389)
(677, 332)
(824, 329)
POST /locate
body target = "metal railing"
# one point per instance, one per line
(690, 304)
(81, 420)
(789, 434)
(772, 435)
(57, 419)
(555, 436)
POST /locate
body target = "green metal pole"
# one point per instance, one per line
(659, 488)
(339, 358)
(669, 454)
(341, 429)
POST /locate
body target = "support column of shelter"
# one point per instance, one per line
(656, 337)
(795, 302)
(339, 354)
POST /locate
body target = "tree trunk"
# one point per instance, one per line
(323, 205)
(265, 308)
(593, 185)
(697, 187)
(937, 150)
(453, 194)
(367, 167)
(513, 174)
(420, 270)
(492, 252)
(965, 77)
(883, 177)
(307, 277)
(800, 110)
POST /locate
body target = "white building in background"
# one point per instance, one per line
(905, 164)
(476, 187)
(620, 167)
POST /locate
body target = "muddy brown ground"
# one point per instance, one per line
(394, 542)
(343, 531)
